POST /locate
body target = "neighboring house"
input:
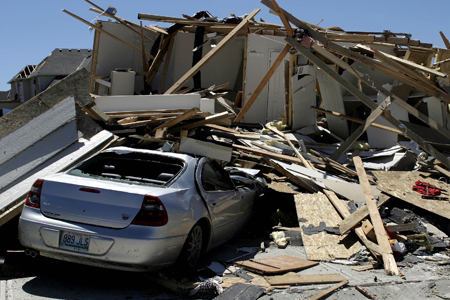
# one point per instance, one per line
(33, 79)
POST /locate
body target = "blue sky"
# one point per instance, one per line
(31, 29)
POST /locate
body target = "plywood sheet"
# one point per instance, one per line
(276, 265)
(399, 184)
(295, 279)
(316, 208)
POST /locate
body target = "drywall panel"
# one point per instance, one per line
(147, 102)
(224, 67)
(38, 153)
(436, 109)
(202, 148)
(259, 49)
(332, 99)
(36, 129)
(17, 191)
(112, 54)
(303, 97)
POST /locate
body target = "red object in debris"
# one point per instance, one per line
(426, 189)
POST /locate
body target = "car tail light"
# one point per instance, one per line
(34, 195)
(152, 213)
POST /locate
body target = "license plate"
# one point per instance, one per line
(74, 241)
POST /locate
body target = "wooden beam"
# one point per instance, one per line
(270, 154)
(211, 54)
(151, 73)
(361, 129)
(286, 24)
(107, 33)
(94, 61)
(177, 120)
(390, 265)
(263, 83)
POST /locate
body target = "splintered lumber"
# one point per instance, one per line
(177, 85)
(366, 100)
(263, 83)
(221, 128)
(276, 265)
(316, 208)
(355, 218)
(400, 101)
(383, 240)
(305, 162)
(108, 34)
(210, 119)
(399, 184)
(361, 129)
(297, 181)
(292, 278)
(177, 120)
(153, 69)
(270, 154)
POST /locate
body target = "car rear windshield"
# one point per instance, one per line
(136, 168)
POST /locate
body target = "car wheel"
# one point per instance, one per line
(193, 247)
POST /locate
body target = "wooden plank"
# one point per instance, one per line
(316, 208)
(276, 265)
(329, 291)
(355, 218)
(177, 120)
(285, 22)
(296, 279)
(361, 129)
(345, 213)
(153, 69)
(263, 82)
(402, 227)
(108, 34)
(390, 265)
(177, 85)
(221, 128)
(399, 184)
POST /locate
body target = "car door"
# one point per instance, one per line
(221, 197)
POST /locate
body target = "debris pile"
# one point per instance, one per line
(358, 138)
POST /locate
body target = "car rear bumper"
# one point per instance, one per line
(134, 248)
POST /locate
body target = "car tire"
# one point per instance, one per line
(193, 247)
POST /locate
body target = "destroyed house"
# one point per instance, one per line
(344, 102)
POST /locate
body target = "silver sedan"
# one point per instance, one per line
(134, 209)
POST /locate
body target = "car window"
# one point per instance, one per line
(215, 178)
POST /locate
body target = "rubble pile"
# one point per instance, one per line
(353, 125)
